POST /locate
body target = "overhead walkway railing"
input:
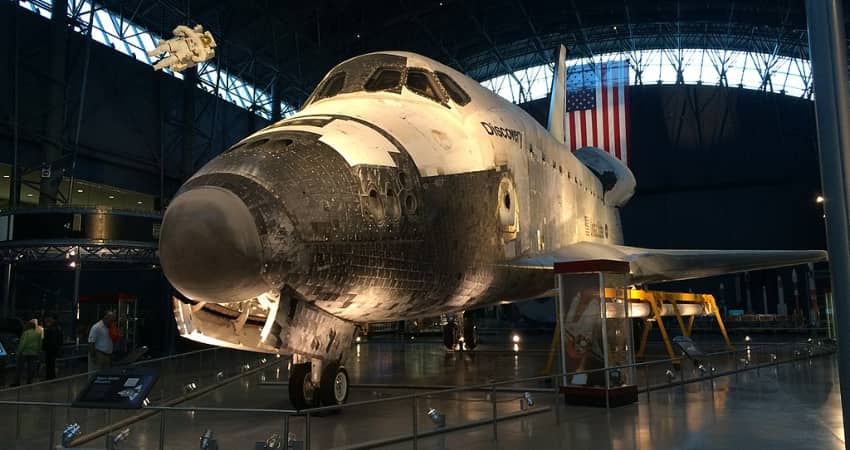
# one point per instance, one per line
(73, 236)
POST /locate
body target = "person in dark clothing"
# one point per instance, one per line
(52, 346)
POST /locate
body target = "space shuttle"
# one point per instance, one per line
(402, 189)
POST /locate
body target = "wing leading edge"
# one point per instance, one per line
(654, 265)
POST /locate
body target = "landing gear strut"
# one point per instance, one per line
(332, 388)
(460, 333)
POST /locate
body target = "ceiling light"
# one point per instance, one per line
(80, 191)
(72, 264)
(111, 197)
(29, 195)
(139, 202)
(819, 199)
(5, 176)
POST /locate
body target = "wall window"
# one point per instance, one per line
(117, 32)
(713, 67)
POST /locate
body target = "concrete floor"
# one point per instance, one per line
(794, 406)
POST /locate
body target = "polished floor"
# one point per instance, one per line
(794, 405)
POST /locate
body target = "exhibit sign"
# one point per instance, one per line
(125, 388)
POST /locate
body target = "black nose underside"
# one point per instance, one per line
(210, 249)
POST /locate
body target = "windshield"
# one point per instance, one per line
(384, 79)
(389, 73)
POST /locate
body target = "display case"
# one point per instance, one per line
(597, 351)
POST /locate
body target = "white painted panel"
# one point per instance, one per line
(358, 144)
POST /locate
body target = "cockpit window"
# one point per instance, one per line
(332, 86)
(457, 94)
(384, 79)
(420, 82)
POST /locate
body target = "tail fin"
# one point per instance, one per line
(558, 98)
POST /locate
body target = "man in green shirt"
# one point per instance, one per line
(29, 347)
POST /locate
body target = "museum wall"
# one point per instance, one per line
(129, 110)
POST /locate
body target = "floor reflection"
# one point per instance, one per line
(794, 406)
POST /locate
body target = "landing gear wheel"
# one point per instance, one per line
(302, 393)
(450, 335)
(333, 390)
(470, 333)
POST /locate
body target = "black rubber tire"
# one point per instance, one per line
(299, 375)
(327, 388)
(450, 335)
(470, 333)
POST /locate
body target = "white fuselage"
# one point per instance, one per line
(386, 204)
(557, 200)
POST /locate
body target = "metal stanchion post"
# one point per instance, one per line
(307, 432)
(68, 400)
(556, 403)
(415, 425)
(18, 415)
(495, 423)
(52, 430)
(108, 422)
(285, 434)
(162, 430)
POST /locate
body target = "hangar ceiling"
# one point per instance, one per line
(296, 43)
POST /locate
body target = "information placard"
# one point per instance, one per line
(124, 388)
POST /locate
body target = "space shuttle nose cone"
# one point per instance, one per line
(209, 247)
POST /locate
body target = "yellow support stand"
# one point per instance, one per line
(656, 301)
(659, 320)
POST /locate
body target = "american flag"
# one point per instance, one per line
(598, 107)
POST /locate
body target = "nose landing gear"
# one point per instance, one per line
(331, 389)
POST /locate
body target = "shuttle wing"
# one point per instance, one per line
(653, 265)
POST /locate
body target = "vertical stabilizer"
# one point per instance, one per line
(558, 98)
